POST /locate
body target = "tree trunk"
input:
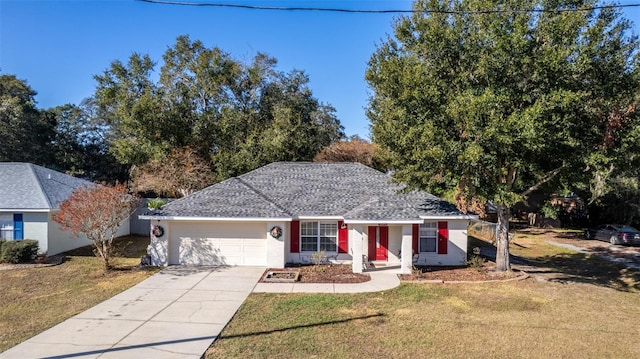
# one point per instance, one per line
(105, 257)
(502, 251)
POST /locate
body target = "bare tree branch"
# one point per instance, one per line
(546, 178)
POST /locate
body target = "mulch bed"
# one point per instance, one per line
(342, 274)
(50, 261)
(458, 274)
(335, 273)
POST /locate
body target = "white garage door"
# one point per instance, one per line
(218, 244)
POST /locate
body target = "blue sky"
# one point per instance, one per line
(57, 46)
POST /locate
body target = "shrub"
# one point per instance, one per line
(2, 240)
(475, 261)
(19, 251)
(155, 203)
(317, 257)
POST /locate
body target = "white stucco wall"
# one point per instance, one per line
(51, 239)
(395, 244)
(158, 247)
(62, 241)
(35, 227)
(456, 247)
(275, 246)
(356, 243)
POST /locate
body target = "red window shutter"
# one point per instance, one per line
(443, 237)
(295, 236)
(415, 236)
(343, 238)
(372, 243)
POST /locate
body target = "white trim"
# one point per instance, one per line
(464, 216)
(380, 222)
(29, 210)
(215, 219)
(320, 218)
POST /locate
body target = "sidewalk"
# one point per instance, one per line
(381, 279)
(176, 313)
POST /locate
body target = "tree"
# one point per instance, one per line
(79, 146)
(178, 175)
(236, 116)
(493, 106)
(25, 132)
(97, 212)
(355, 149)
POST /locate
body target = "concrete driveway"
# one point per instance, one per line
(176, 313)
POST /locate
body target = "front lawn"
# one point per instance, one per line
(34, 299)
(588, 308)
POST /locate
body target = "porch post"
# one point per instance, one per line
(406, 260)
(355, 240)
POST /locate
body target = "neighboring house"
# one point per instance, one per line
(29, 196)
(286, 211)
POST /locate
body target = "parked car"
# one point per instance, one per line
(614, 234)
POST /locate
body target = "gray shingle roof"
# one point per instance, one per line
(305, 189)
(26, 186)
(230, 198)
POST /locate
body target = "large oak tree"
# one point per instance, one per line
(495, 105)
(238, 116)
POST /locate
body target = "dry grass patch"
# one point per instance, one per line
(36, 299)
(592, 312)
(533, 249)
(527, 319)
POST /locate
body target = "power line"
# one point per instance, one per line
(389, 11)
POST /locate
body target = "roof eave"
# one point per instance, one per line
(216, 219)
(383, 221)
(31, 210)
(459, 216)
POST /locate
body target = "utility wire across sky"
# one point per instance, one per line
(389, 11)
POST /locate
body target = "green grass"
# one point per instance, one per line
(33, 300)
(593, 313)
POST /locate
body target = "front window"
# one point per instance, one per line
(318, 236)
(428, 237)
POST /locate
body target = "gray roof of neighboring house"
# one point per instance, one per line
(309, 189)
(25, 186)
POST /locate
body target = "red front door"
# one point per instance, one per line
(378, 243)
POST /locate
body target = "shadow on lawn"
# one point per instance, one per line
(572, 268)
(586, 268)
(124, 247)
(244, 335)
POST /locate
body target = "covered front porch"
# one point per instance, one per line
(381, 246)
(401, 245)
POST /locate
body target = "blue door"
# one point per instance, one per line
(18, 226)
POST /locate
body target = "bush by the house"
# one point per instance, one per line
(18, 251)
(2, 240)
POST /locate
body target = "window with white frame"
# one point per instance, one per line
(318, 236)
(6, 226)
(428, 237)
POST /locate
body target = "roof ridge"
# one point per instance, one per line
(259, 193)
(37, 179)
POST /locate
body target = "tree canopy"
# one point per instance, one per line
(496, 105)
(238, 116)
(355, 149)
(25, 133)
